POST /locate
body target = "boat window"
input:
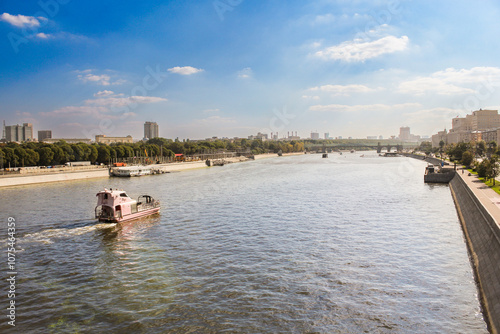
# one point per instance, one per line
(118, 208)
(105, 196)
(123, 195)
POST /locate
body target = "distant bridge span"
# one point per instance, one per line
(359, 146)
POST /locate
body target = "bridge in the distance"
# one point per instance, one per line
(357, 145)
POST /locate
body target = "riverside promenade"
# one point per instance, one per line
(478, 207)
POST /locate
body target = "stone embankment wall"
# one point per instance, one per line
(33, 179)
(483, 238)
(434, 161)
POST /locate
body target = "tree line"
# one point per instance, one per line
(43, 154)
(483, 157)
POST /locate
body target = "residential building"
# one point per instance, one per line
(103, 139)
(151, 130)
(480, 125)
(261, 136)
(19, 133)
(44, 134)
(404, 133)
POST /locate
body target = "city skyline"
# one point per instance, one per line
(353, 69)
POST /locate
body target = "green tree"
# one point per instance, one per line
(32, 157)
(59, 155)
(480, 148)
(492, 147)
(21, 154)
(493, 171)
(46, 156)
(93, 153)
(467, 158)
(103, 154)
(11, 158)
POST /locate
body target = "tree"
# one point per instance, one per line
(467, 158)
(46, 156)
(21, 154)
(59, 155)
(493, 171)
(32, 157)
(93, 153)
(480, 148)
(492, 147)
(103, 155)
(11, 158)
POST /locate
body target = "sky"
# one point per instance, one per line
(232, 68)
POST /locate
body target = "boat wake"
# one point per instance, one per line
(50, 235)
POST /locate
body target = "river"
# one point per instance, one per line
(297, 244)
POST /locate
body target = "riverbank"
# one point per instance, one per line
(478, 208)
(70, 175)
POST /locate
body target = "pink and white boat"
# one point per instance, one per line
(115, 206)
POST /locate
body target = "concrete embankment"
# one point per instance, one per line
(477, 215)
(434, 161)
(53, 177)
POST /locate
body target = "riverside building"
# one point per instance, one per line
(103, 139)
(480, 125)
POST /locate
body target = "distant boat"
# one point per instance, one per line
(130, 171)
(115, 206)
(325, 155)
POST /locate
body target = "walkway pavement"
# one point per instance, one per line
(488, 197)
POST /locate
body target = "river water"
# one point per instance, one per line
(298, 244)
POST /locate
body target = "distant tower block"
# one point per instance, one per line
(151, 130)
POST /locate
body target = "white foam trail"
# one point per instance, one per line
(47, 236)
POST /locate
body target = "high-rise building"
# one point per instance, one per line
(151, 130)
(44, 134)
(404, 133)
(19, 133)
(314, 135)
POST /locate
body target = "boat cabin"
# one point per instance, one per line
(116, 205)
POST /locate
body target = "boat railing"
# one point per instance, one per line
(147, 206)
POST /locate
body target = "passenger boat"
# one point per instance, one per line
(115, 206)
(130, 171)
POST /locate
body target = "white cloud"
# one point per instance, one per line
(359, 51)
(364, 107)
(123, 101)
(310, 97)
(87, 76)
(324, 19)
(105, 106)
(22, 21)
(104, 93)
(99, 79)
(43, 35)
(245, 73)
(186, 70)
(344, 90)
(452, 81)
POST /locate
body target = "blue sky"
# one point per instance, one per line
(236, 67)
